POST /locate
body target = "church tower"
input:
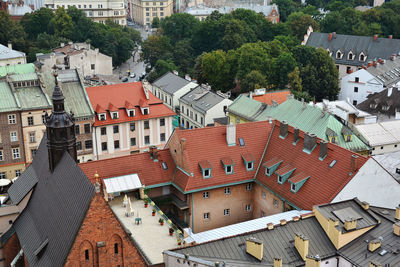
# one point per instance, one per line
(60, 128)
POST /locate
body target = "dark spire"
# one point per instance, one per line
(60, 128)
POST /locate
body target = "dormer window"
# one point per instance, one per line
(229, 169)
(102, 116)
(280, 179)
(339, 54)
(207, 173)
(250, 166)
(114, 115)
(249, 160)
(350, 56)
(347, 134)
(228, 164)
(268, 171)
(362, 57)
(205, 167)
(385, 107)
(130, 112)
(145, 111)
(293, 187)
(373, 105)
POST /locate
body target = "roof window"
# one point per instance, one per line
(145, 111)
(205, 166)
(332, 163)
(114, 115)
(362, 57)
(241, 141)
(249, 160)
(228, 164)
(102, 116)
(130, 112)
(350, 56)
(164, 166)
(339, 54)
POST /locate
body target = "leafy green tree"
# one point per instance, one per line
(286, 7)
(179, 26)
(161, 67)
(217, 69)
(156, 47)
(234, 35)
(295, 81)
(281, 67)
(155, 23)
(253, 80)
(37, 22)
(252, 56)
(82, 24)
(207, 36)
(183, 55)
(299, 23)
(12, 31)
(61, 24)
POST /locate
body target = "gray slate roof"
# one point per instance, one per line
(387, 73)
(377, 103)
(48, 225)
(201, 99)
(381, 48)
(6, 53)
(170, 83)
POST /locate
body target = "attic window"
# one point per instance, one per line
(145, 111)
(373, 105)
(205, 166)
(293, 187)
(229, 169)
(362, 57)
(339, 54)
(102, 116)
(280, 179)
(249, 160)
(350, 56)
(241, 141)
(250, 166)
(164, 166)
(206, 173)
(114, 115)
(131, 112)
(385, 107)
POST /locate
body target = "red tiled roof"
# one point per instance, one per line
(100, 109)
(128, 105)
(267, 98)
(324, 182)
(227, 161)
(143, 103)
(205, 164)
(272, 162)
(119, 95)
(149, 172)
(299, 177)
(248, 157)
(284, 169)
(111, 107)
(210, 144)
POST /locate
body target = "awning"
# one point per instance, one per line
(4, 182)
(122, 183)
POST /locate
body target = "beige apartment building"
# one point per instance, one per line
(145, 11)
(98, 11)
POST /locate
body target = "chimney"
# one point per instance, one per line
(310, 140)
(187, 78)
(323, 149)
(330, 37)
(365, 205)
(283, 129)
(96, 50)
(396, 228)
(374, 245)
(362, 66)
(397, 216)
(375, 37)
(353, 163)
(175, 72)
(374, 264)
(153, 152)
(390, 36)
(313, 261)
(270, 226)
(282, 222)
(374, 63)
(350, 224)
(9, 45)
(380, 61)
(393, 57)
(296, 218)
(97, 186)
(277, 262)
(295, 135)
(369, 64)
(255, 248)
(62, 44)
(231, 135)
(301, 243)
(183, 144)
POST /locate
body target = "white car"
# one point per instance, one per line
(133, 75)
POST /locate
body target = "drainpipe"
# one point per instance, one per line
(15, 260)
(192, 214)
(95, 137)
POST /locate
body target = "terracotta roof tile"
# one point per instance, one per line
(205, 164)
(272, 162)
(248, 157)
(324, 182)
(299, 177)
(119, 95)
(227, 161)
(267, 98)
(149, 171)
(128, 105)
(284, 169)
(100, 109)
(111, 107)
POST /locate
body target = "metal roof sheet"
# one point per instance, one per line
(6, 53)
(122, 183)
(246, 107)
(32, 98)
(201, 99)
(7, 100)
(170, 83)
(17, 69)
(243, 227)
(377, 134)
(23, 77)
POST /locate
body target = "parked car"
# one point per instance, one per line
(133, 75)
(124, 80)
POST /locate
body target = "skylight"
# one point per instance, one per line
(241, 141)
(332, 163)
(164, 165)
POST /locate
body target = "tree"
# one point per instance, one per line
(252, 56)
(61, 24)
(12, 31)
(179, 26)
(295, 81)
(253, 80)
(281, 67)
(299, 23)
(320, 77)
(156, 47)
(217, 69)
(286, 7)
(234, 35)
(207, 36)
(184, 55)
(37, 22)
(161, 67)
(155, 23)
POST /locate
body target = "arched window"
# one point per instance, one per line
(362, 57)
(350, 56)
(116, 250)
(339, 54)
(86, 254)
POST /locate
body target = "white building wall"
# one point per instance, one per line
(367, 85)
(373, 184)
(12, 61)
(178, 94)
(216, 111)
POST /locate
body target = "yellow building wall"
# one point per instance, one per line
(235, 119)
(10, 169)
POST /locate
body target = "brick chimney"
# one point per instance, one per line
(380, 61)
(255, 248)
(277, 262)
(369, 64)
(183, 144)
(231, 134)
(374, 264)
(374, 245)
(282, 222)
(350, 224)
(295, 135)
(153, 152)
(270, 226)
(283, 129)
(374, 63)
(323, 149)
(390, 36)
(362, 66)
(393, 57)
(396, 228)
(375, 37)
(330, 37)
(313, 261)
(301, 244)
(353, 163)
(310, 140)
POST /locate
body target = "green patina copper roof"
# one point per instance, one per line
(17, 69)
(23, 77)
(7, 100)
(76, 99)
(305, 117)
(32, 98)
(246, 107)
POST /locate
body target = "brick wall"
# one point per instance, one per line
(177, 149)
(11, 249)
(101, 241)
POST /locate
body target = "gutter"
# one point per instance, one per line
(17, 257)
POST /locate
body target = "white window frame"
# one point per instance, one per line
(248, 207)
(267, 171)
(206, 194)
(350, 56)
(207, 175)
(12, 119)
(18, 173)
(293, 187)
(252, 166)
(362, 54)
(280, 180)
(143, 111)
(114, 115)
(1, 155)
(227, 190)
(15, 153)
(206, 216)
(128, 112)
(341, 54)
(101, 116)
(227, 212)
(14, 136)
(226, 169)
(32, 137)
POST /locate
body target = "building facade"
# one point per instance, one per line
(129, 119)
(78, 56)
(144, 11)
(200, 106)
(98, 11)
(8, 56)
